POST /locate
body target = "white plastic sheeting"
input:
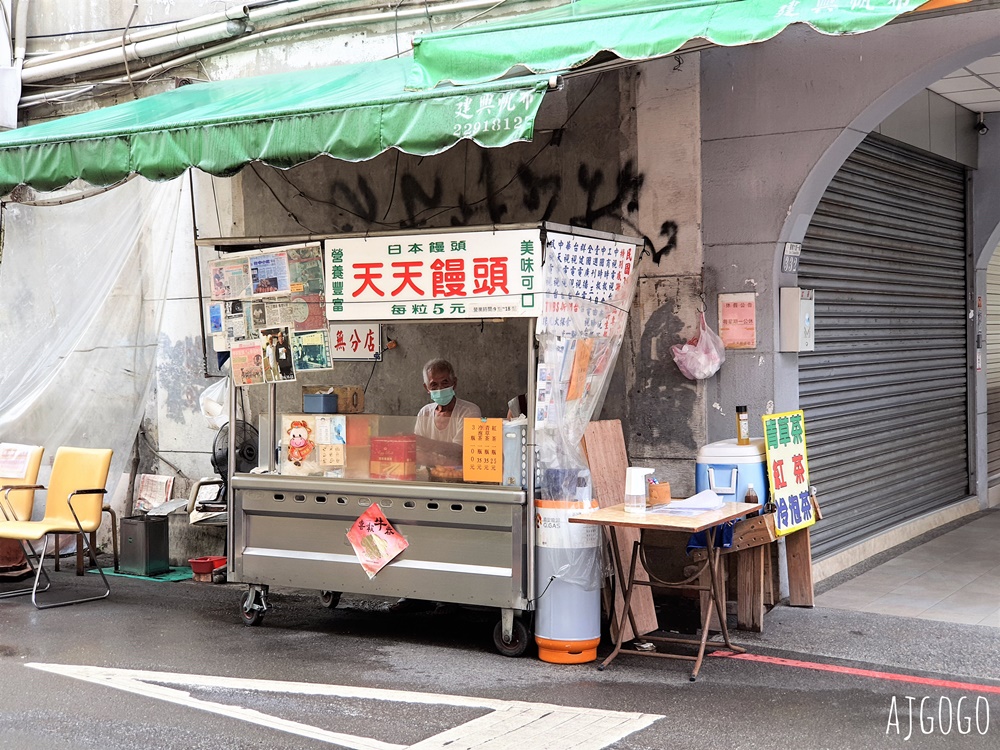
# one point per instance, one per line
(578, 344)
(82, 289)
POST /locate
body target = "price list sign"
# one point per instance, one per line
(482, 450)
(588, 285)
(788, 471)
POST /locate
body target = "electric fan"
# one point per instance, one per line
(247, 441)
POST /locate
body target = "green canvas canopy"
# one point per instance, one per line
(568, 36)
(349, 112)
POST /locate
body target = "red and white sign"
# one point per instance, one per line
(374, 540)
(356, 341)
(473, 274)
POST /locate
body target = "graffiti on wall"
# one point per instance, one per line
(430, 201)
(180, 368)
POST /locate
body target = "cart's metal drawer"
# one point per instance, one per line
(466, 543)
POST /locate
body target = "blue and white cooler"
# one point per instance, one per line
(728, 469)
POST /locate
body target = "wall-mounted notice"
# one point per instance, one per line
(358, 341)
(738, 320)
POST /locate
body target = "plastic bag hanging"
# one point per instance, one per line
(702, 356)
(214, 403)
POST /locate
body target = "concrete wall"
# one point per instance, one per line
(984, 241)
(932, 123)
(769, 152)
(573, 173)
(666, 410)
(778, 121)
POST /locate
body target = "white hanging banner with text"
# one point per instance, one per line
(474, 274)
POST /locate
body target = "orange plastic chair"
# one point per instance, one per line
(73, 504)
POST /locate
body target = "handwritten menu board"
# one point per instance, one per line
(482, 450)
(788, 470)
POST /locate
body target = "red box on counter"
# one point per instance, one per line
(394, 457)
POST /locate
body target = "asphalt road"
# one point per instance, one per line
(71, 682)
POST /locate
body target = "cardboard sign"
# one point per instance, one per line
(482, 450)
(788, 470)
(375, 541)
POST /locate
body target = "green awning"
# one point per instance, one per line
(568, 36)
(349, 112)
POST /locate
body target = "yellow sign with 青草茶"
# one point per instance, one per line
(788, 471)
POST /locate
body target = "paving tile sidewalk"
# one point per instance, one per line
(954, 577)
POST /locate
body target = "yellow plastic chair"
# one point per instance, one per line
(16, 505)
(73, 505)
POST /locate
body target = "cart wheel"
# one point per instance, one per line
(329, 599)
(519, 639)
(248, 611)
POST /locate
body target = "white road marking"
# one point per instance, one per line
(509, 723)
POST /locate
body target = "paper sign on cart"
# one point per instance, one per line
(375, 541)
(482, 450)
(14, 460)
(788, 471)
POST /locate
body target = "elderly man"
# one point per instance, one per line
(440, 424)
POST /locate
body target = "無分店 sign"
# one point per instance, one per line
(788, 471)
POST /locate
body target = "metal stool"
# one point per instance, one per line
(93, 543)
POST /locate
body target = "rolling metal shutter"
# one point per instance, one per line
(885, 391)
(993, 369)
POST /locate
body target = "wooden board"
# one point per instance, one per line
(604, 443)
(772, 584)
(750, 589)
(752, 532)
(752, 539)
(798, 552)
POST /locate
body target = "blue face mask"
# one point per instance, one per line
(443, 396)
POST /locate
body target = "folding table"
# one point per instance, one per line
(659, 518)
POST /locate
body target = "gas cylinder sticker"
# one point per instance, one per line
(553, 530)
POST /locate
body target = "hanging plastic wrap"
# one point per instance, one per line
(589, 285)
(83, 287)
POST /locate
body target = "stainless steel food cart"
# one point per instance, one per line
(469, 544)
